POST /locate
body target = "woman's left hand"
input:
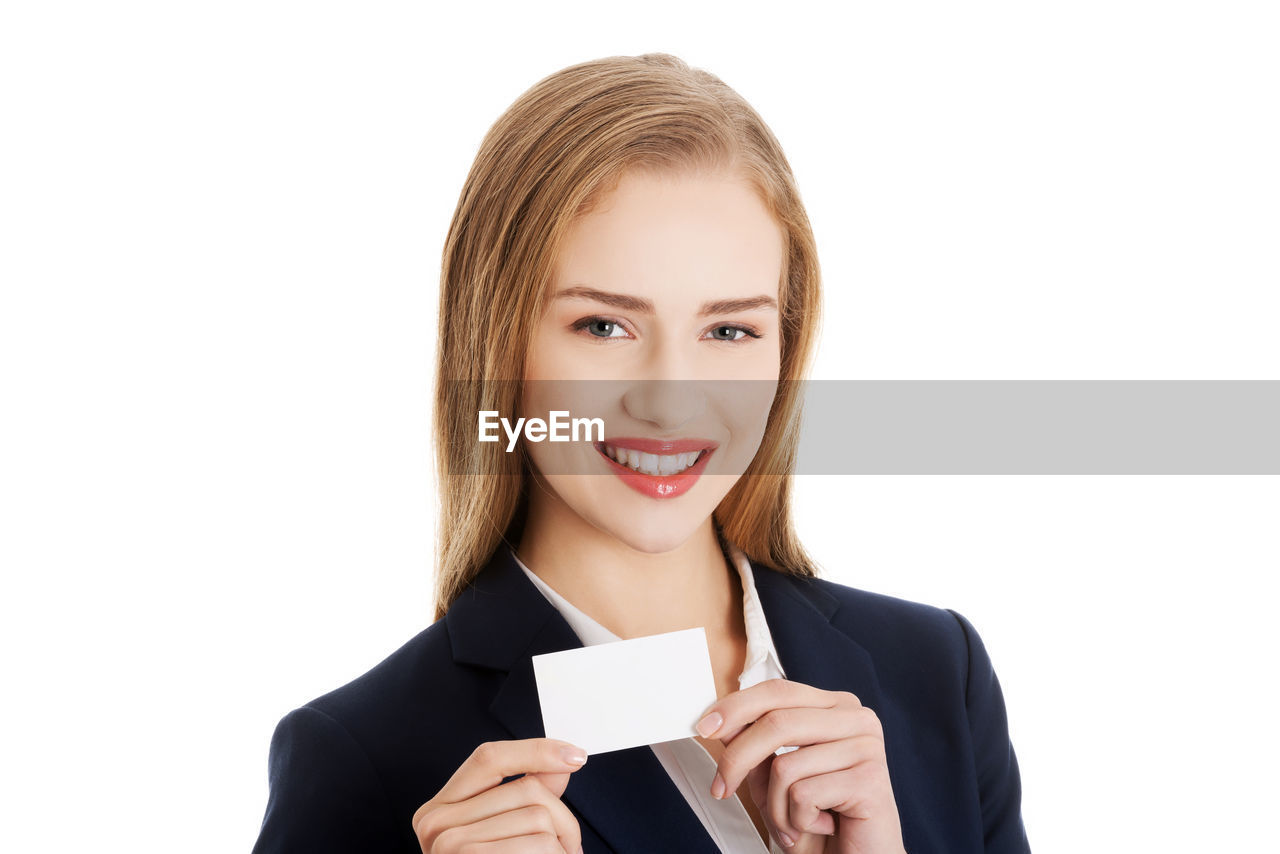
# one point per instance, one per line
(840, 766)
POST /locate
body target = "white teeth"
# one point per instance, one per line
(659, 464)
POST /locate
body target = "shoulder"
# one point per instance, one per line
(346, 769)
(404, 718)
(867, 615)
(406, 677)
(913, 641)
(411, 701)
(924, 650)
(887, 613)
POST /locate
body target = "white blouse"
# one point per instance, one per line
(687, 762)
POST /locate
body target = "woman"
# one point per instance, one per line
(630, 244)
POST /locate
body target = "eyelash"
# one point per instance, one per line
(581, 325)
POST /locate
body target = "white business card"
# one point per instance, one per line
(628, 693)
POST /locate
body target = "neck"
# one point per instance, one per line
(629, 592)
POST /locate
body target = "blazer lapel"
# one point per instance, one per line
(811, 649)
(501, 621)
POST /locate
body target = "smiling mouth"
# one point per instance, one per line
(680, 456)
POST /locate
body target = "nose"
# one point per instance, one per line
(669, 393)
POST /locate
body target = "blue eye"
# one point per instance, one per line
(732, 332)
(600, 327)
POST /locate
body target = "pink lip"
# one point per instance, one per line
(658, 485)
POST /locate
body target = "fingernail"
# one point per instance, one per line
(573, 755)
(717, 787)
(787, 841)
(709, 724)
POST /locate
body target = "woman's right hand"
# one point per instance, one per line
(473, 812)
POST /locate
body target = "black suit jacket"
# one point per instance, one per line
(348, 770)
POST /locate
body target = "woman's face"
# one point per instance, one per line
(662, 322)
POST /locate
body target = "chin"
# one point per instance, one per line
(652, 542)
(649, 533)
(647, 525)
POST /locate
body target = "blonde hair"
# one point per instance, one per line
(563, 145)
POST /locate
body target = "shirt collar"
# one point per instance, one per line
(762, 656)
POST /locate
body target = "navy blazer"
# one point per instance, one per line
(348, 770)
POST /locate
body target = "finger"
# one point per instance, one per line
(532, 824)
(555, 783)
(811, 761)
(493, 761)
(521, 845)
(740, 708)
(758, 779)
(857, 793)
(509, 797)
(815, 826)
(787, 726)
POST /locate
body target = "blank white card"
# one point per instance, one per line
(628, 693)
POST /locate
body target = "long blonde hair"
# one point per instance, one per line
(546, 161)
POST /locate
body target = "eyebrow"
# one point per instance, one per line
(639, 305)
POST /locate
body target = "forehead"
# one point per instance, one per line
(675, 234)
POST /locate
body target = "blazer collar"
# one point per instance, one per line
(501, 620)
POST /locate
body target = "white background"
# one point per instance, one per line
(222, 226)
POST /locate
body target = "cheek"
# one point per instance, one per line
(555, 352)
(746, 412)
(574, 403)
(743, 407)
(760, 360)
